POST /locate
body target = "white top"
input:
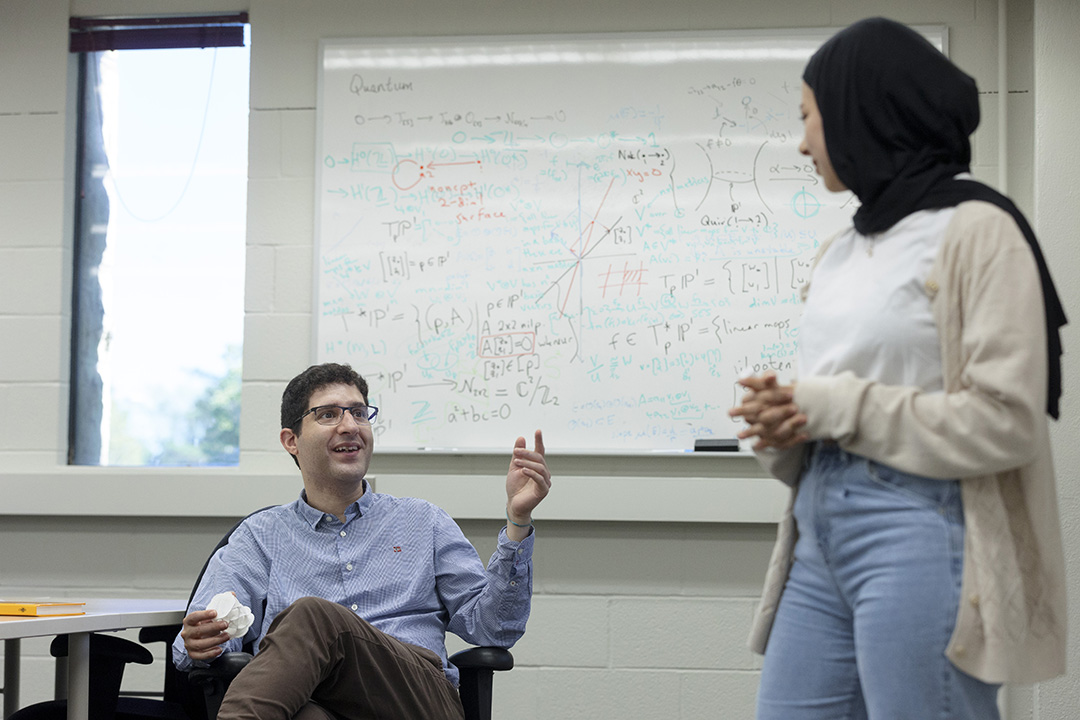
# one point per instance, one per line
(868, 310)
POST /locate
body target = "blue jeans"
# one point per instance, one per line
(871, 600)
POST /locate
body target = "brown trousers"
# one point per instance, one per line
(319, 660)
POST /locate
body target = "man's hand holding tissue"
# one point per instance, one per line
(205, 631)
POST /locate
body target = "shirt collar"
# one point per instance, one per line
(313, 516)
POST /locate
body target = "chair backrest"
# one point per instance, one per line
(222, 543)
(176, 682)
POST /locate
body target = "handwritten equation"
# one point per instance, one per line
(594, 238)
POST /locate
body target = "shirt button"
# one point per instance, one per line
(513, 583)
(349, 566)
(354, 606)
(328, 518)
(520, 551)
(342, 533)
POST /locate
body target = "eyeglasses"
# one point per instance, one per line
(332, 414)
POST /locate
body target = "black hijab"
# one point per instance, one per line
(897, 115)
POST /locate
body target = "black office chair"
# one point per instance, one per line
(477, 667)
(170, 706)
(110, 654)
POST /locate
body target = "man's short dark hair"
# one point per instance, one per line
(297, 395)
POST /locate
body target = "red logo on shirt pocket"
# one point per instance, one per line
(397, 548)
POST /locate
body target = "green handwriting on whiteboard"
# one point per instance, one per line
(594, 236)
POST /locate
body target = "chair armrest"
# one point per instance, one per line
(478, 666)
(490, 658)
(223, 669)
(214, 680)
(159, 633)
(113, 647)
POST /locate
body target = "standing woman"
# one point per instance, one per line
(919, 565)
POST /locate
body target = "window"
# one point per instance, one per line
(157, 320)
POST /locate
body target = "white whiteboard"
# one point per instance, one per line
(591, 235)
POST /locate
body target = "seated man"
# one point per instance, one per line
(353, 591)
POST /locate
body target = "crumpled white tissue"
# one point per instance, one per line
(229, 609)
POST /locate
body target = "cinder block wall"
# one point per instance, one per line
(631, 620)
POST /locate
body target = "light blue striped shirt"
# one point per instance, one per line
(402, 564)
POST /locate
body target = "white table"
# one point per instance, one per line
(101, 615)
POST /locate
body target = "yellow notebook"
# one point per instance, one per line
(42, 609)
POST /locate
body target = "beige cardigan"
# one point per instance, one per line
(989, 428)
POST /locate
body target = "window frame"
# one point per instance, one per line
(94, 35)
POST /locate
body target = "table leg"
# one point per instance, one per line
(78, 676)
(11, 676)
